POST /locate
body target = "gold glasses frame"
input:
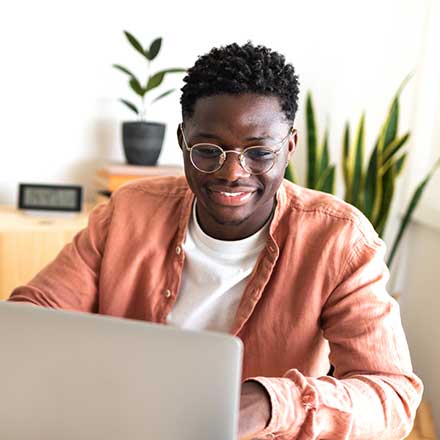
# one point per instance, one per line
(241, 154)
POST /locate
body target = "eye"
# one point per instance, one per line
(207, 150)
(259, 154)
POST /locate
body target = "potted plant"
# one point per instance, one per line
(370, 187)
(143, 140)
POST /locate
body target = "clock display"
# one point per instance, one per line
(50, 197)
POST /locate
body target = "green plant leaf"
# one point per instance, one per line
(394, 147)
(410, 210)
(389, 163)
(289, 173)
(323, 158)
(345, 155)
(377, 200)
(391, 124)
(311, 142)
(156, 79)
(135, 43)
(326, 181)
(136, 87)
(370, 185)
(404, 83)
(356, 162)
(131, 106)
(388, 185)
(400, 163)
(123, 69)
(162, 95)
(154, 48)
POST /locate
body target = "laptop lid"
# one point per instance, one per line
(68, 375)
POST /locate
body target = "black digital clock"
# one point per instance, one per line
(50, 197)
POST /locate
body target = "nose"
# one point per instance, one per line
(231, 169)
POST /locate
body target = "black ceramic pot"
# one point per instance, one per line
(142, 141)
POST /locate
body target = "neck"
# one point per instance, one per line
(229, 231)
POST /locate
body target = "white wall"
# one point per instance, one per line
(59, 114)
(60, 119)
(420, 307)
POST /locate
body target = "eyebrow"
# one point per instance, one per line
(248, 139)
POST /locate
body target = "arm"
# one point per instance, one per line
(71, 280)
(374, 392)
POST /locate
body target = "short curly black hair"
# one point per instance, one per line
(235, 69)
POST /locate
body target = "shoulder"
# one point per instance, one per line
(158, 186)
(144, 196)
(321, 210)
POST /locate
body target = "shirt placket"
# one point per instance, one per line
(170, 291)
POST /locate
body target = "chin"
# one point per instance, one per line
(231, 222)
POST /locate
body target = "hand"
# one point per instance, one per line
(255, 410)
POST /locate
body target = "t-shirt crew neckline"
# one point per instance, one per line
(229, 249)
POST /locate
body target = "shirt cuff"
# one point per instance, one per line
(288, 412)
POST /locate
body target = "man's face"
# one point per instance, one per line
(231, 202)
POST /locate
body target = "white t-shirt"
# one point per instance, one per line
(214, 276)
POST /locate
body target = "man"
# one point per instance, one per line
(297, 274)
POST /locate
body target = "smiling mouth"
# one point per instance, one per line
(230, 198)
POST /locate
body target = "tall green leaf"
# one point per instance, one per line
(289, 173)
(389, 163)
(323, 155)
(388, 185)
(370, 185)
(410, 210)
(345, 156)
(389, 171)
(311, 142)
(400, 164)
(394, 147)
(326, 181)
(391, 124)
(378, 188)
(356, 161)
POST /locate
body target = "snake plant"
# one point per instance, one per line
(370, 187)
(153, 80)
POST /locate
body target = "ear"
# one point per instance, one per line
(291, 147)
(179, 135)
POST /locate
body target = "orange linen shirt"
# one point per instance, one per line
(317, 293)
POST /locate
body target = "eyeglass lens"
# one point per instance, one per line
(209, 158)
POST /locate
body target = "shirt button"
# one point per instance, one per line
(308, 402)
(178, 250)
(167, 293)
(307, 398)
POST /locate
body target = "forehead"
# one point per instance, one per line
(238, 113)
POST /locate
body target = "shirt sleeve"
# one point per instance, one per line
(374, 392)
(71, 281)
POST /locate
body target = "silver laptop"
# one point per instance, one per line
(75, 376)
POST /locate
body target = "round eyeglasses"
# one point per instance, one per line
(256, 160)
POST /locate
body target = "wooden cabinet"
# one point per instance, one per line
(29, 242)
(423, 424)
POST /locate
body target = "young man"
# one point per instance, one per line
(297, 274)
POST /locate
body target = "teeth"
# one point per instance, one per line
(228, 194)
